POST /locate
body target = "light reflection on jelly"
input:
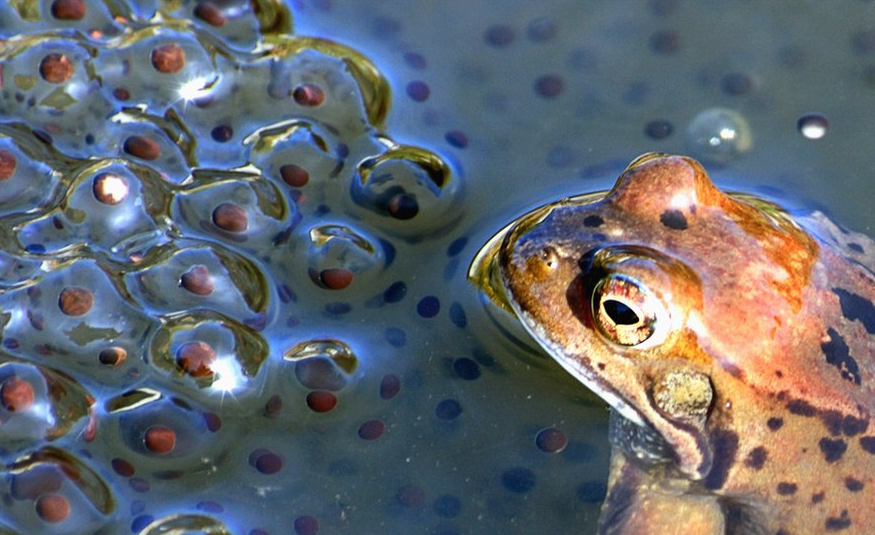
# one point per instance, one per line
(214, 297)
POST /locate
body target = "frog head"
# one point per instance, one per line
(645, 294)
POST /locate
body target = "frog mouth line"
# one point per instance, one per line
(485, 273)
(581, 372)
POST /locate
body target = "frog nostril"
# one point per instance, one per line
(549, 257)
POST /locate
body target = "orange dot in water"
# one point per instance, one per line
(403, 206)
(294, 175)
(198, 281)
(16, 394)
(142, 147)
(321, 401)
(231, 217)
(308, 95)
(8, 163)
(390, 386)
(122, 467)
(113, 356)
(372, 429)
(213, 421)
(168, 58)
(68, 9)
(195, 358)
(56, 68)
(335, 278)
(306, 525)
(265, 461)
(551, 440)
(75, 301)
(53, 508)
(109, 188)
(159, 439)
(210, 13)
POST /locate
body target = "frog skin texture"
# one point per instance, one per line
(733, 342)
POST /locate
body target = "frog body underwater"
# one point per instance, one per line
(734, 344)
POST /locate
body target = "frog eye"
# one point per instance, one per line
(625, 312)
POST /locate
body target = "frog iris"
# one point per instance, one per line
(624, 311)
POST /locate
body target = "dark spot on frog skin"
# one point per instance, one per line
(756, 458)
(593, 221)
(853, 484)
(801, 408)
(674, 219)
(855, 307)
(838, 354)
(787, 489)
(855, 247)
(868, 444)
(833, 421)
(732, 370)
(833, 450)
(838, 523)
(852, 426)
(724, 444)
(818, 497)
(775, 423)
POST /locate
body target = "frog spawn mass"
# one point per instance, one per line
(181, 188)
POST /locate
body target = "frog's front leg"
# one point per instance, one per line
(645, 501)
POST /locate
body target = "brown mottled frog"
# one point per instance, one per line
(733, 342)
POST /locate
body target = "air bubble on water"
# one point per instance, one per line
(812, 125)
(719, 135)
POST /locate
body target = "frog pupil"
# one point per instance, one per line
(619, 312)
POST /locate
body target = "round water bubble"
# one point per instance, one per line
(719, 135)
(812, 125)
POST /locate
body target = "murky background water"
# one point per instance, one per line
(234, 294)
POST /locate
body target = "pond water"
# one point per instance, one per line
(235, 238)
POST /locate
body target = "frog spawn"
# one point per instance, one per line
(179, 195)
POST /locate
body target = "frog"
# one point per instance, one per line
(733, 341)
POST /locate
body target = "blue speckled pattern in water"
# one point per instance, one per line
(234, 241)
